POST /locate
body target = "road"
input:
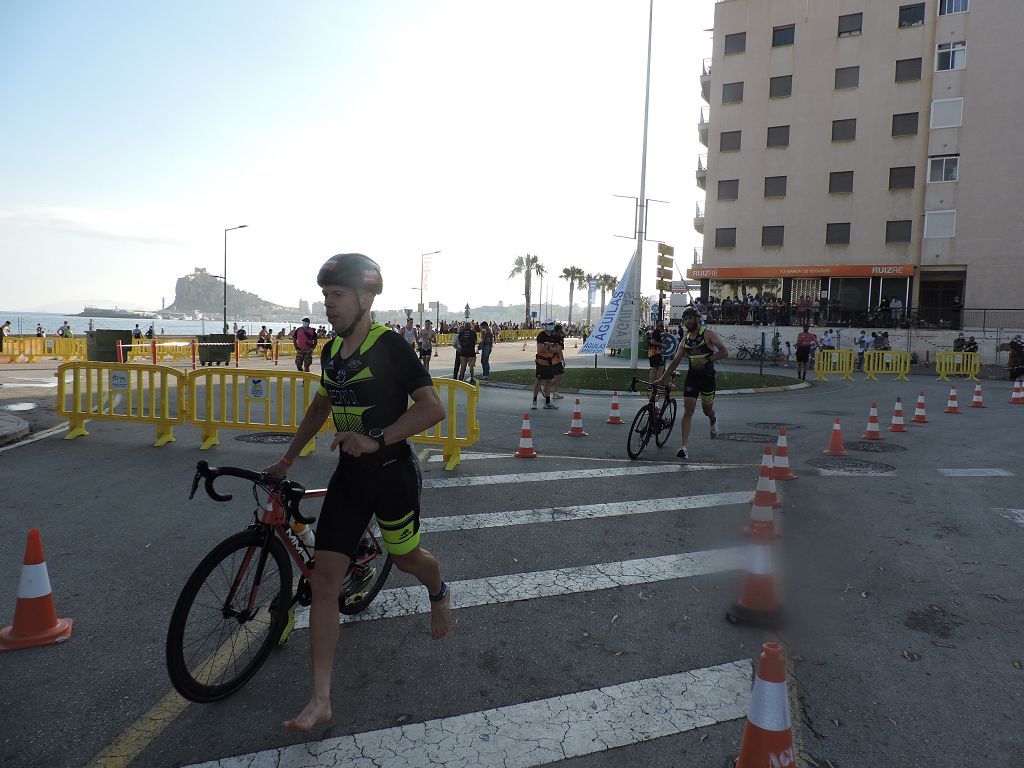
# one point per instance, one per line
(902, 580)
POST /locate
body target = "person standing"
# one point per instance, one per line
(545, 365)
(466, 339)
(655, 346)
(304, 338)
(559, 361)
(1015, 359)
(409, 333)
(5, 331)
(806, 342)
(426, 339)
(486, 345)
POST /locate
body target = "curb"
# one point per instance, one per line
(568, 390)
(12, 428)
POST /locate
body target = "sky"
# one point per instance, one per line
(135, 133)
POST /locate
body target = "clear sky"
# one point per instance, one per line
(134, 133)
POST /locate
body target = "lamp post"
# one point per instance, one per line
(422, 256)
(240, 226)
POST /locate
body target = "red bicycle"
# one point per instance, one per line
(239, 602)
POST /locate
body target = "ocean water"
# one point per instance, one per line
(24, 324)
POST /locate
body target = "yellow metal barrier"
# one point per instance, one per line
(828, 361)
(31, 349)
(271, 401)
(886, 361)
(957, 364)
(446, 433)
(119, 392)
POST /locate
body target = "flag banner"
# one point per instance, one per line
(613, 327)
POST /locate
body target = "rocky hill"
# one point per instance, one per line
(203, 293)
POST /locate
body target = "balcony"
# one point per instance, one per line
(702, 171)
(698, 219)
(705, 80)
(702, 125)
(705, 68)
(698, 256)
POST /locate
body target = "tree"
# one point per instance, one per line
(575, 277)
(645, 309)
(605, 283)
(527, 266)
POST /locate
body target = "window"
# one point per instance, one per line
(725, 237)
(947, 113)
(951, 56)
(732, 93)
(840, 182)
(778, 136)
(943, 168)
(780, 86)
(911, 15)
(851, 24)
(837, 234)
(729, 141)
(908, 70)
(847, 77)
(947, 7)
(898, 231)
(775, 186)
(905, 124)
(772, 237)
(939, 224)
(783, 35)
(736, 43)
(902, 177)
(844, 130)
(728, 189)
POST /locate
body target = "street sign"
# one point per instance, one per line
(533, 314)
(257, 388)
(665, 261)
(119, 381)
(419, 307)
(663, 285)
(666, 250)
(664, 274)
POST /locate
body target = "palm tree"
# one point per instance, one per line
(575, 277)
(527, 266)
(605, 283)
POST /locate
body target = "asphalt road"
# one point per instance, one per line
(903, 584)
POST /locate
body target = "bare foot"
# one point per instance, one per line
(315, 713)
(441, 616)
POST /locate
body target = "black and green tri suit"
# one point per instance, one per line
(367, 390)
(700, 382)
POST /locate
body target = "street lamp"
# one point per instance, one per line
(240, 226)
(422, 256)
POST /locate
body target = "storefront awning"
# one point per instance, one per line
(835, 270)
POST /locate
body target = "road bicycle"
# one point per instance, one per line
(755, 353)
(654, 419)
(239, 602)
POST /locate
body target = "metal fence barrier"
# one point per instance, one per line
(446, 432)
(828, 361)
(957, 364)
(32, 349)
(886, 362)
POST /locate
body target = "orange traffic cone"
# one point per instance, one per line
(757, 606)
(1017, 398)
(613, 416)
(835, 443)
(768, 734)
(920, 417)
(576, 427)
(762, 520)
(978, 401)
(780, 465)
(525, 449)
(897, 418)
(35, 616)
(951, 405)
(873, 432)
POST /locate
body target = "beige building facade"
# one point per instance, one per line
(861, 150)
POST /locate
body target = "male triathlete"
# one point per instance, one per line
(702, 347)
(654, 349)
(426, 338)
(545, 362)
(368, 374)
(806, 342)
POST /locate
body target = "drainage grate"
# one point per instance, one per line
(874, 446)
(266, 437)
(847, 466)
(773, 425)
(747, 437)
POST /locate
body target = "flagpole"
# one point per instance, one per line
(642, 204)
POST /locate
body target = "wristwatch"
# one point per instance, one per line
(378, 435)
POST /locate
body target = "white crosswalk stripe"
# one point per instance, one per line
(571, 474)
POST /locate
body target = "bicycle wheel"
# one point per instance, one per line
(369, 571)
(639, 432)
(215, 644)
(742, 353)
(665, 423)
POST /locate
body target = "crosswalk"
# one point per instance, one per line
(618, 712)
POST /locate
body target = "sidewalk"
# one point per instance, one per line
(11, 427)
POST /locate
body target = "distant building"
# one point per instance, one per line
(303, 307)
(319, 310)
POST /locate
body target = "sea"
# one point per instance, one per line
(24, 324)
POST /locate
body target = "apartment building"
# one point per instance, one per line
(860, 149)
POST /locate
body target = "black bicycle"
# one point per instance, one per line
(655, 419)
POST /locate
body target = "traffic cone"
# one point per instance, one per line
(613, 416)
(525, 449)
(780, 465)
(897, 418)
(951, 405)
(576, 427)
(1017, 398)
(762, 520)
(920, 417)
(757, 606)
(768, 734)
(978, 401)
(835, 443)
(35, 616)
(873, 432)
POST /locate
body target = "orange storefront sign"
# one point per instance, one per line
(835, 270)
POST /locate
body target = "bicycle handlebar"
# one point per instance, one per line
(291, 492)
(654, 387)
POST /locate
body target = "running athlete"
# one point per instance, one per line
(702, 347)
(368, 375)
(805, 344)
(426, 338)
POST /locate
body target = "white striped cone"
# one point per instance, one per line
(525, 450)
(951, 405)
(897, 418)
(768, 734)
(614, 417)
(576, 428)
(780, 463)
(1017, 398)
(35, 616)
(873, 432)
(977, 401)
(762, 519)
(758, 605)
(920, 417)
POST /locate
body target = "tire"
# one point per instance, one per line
(667, 421)
(639, 432)
(742, 353)
(216, 573)
(359, 590)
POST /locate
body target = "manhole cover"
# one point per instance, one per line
(266, 437)
(831, 413)
(874, 446)
(747, 437)
(773, 425)
(847, 466)
(19, 406)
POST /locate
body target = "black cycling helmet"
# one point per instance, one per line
(691, 312)
(353, 270)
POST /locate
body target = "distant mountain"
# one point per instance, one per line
(202, 294)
